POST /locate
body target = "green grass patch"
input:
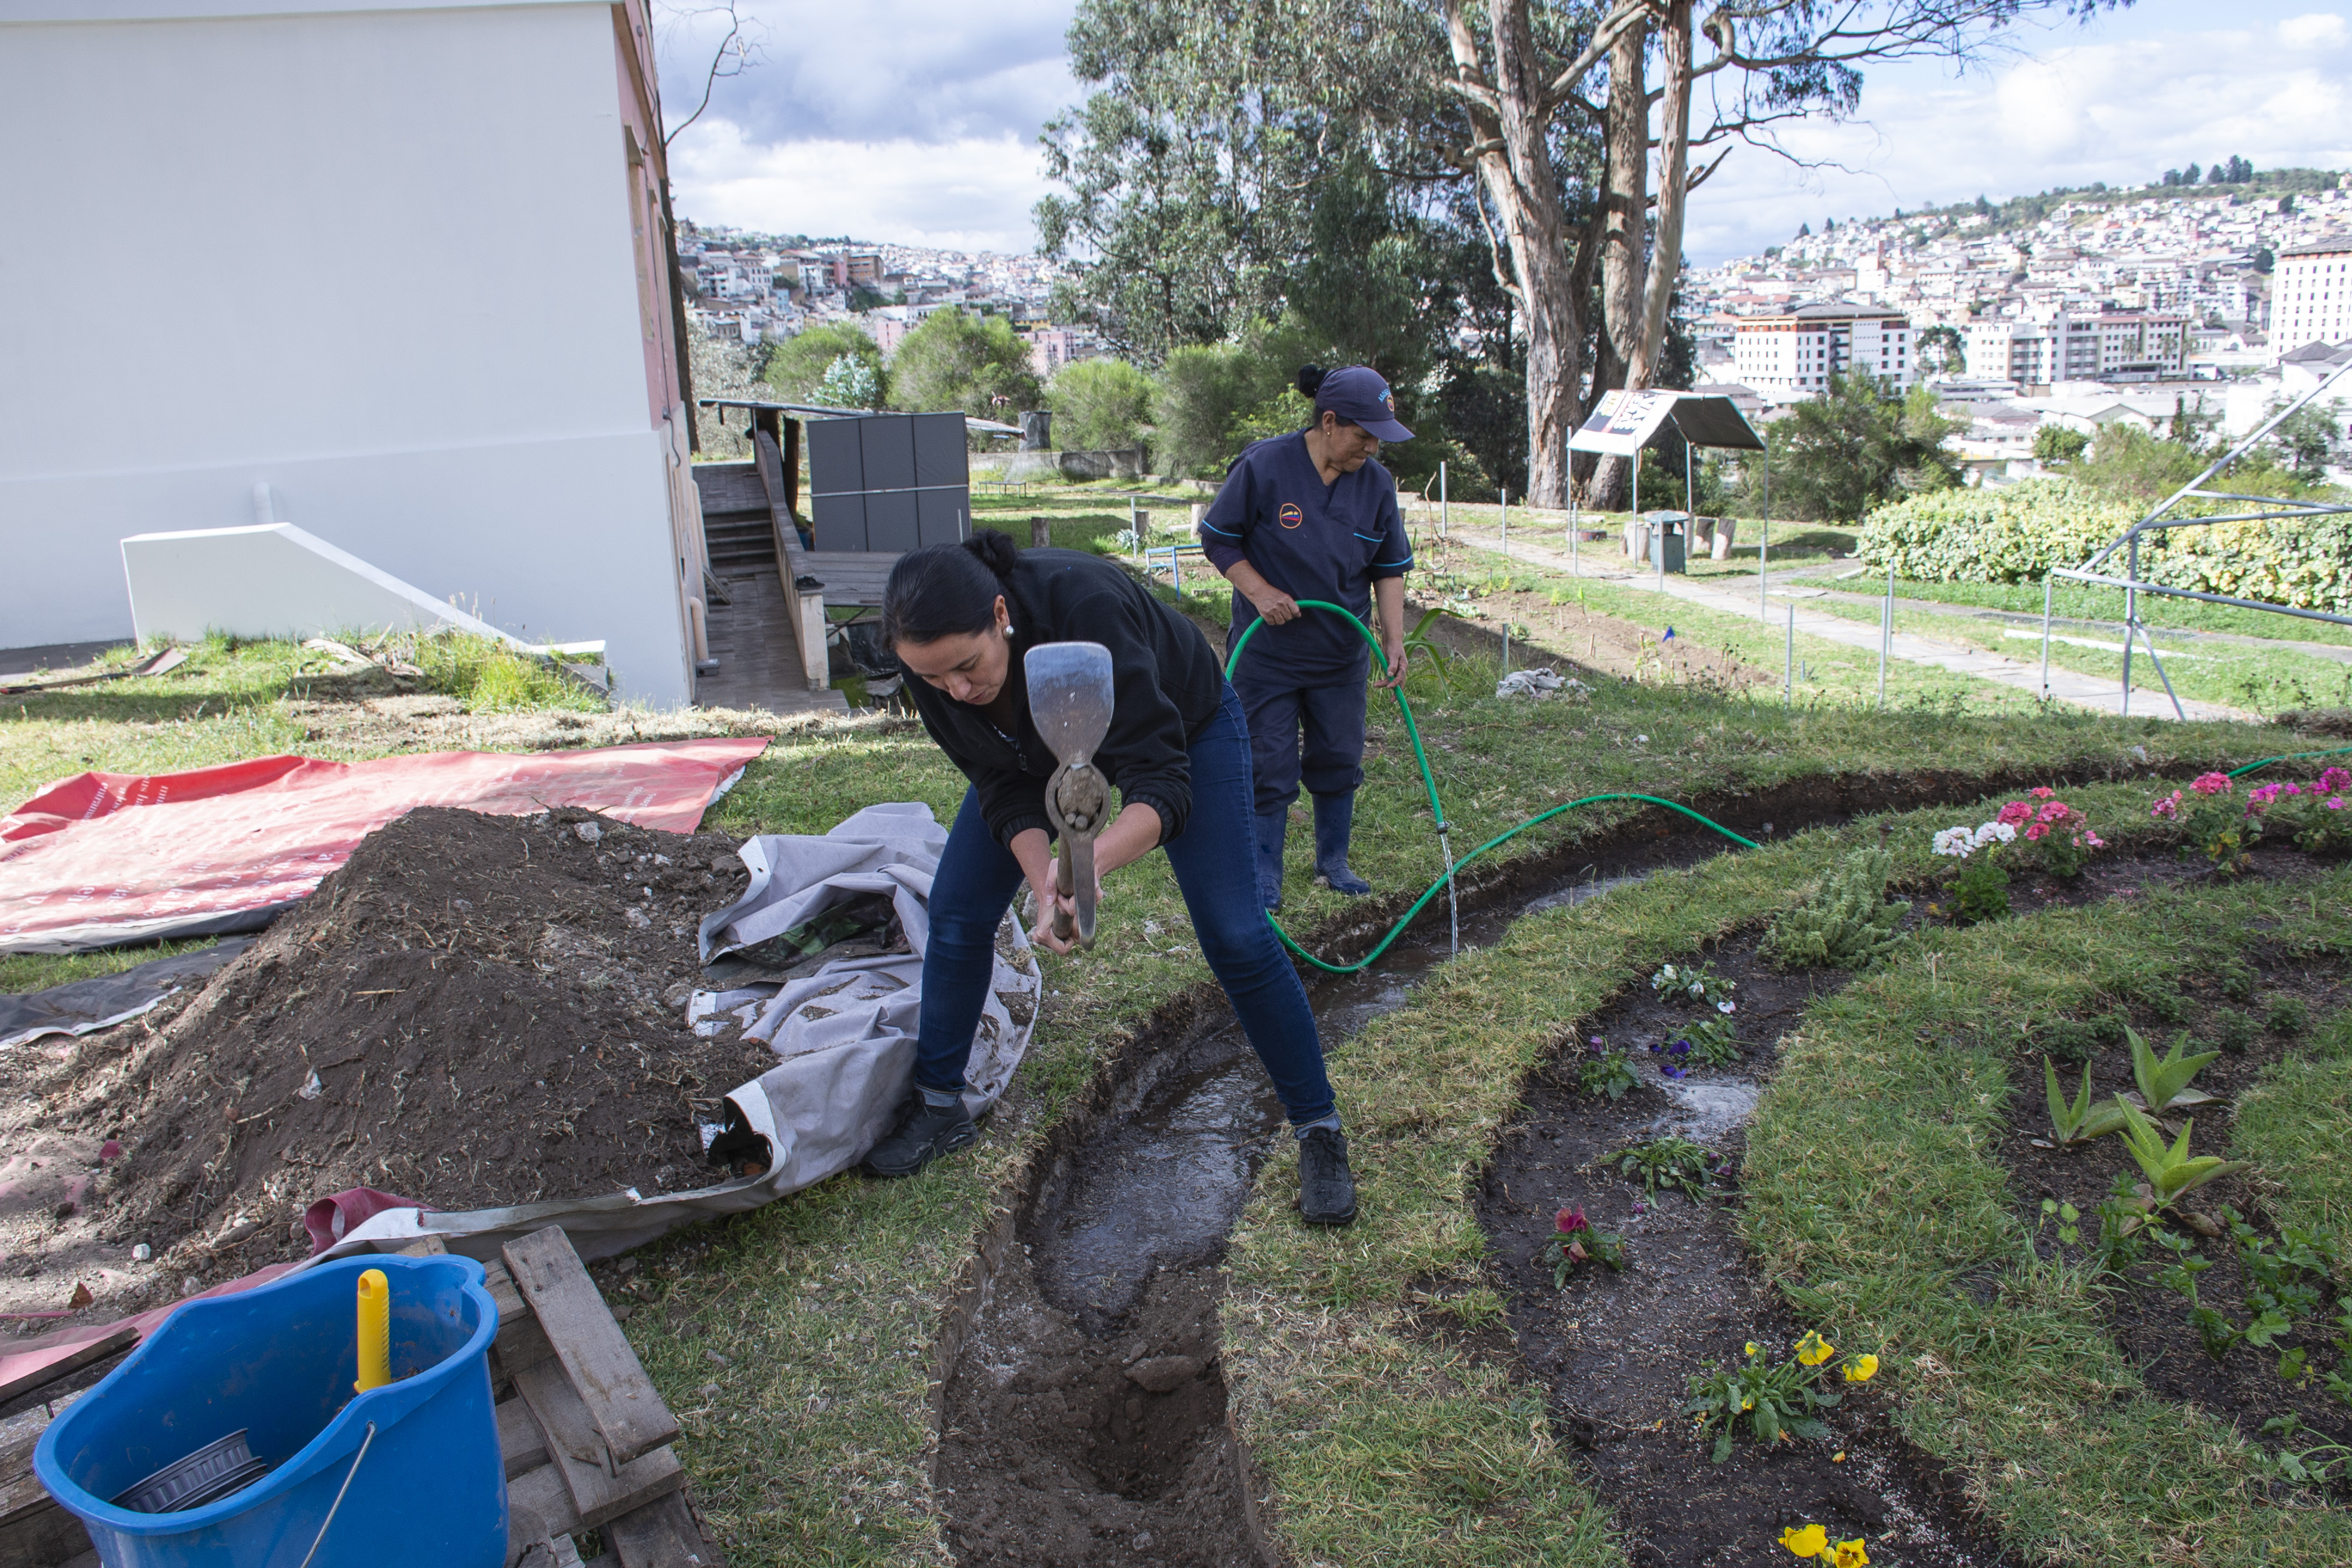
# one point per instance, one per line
(2083, 601)
(2297, 1127)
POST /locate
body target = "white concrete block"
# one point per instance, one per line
(272, 580)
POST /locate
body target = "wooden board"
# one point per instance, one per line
(521, 1443)
(663, 1534)
(601, 1489)
(72, 1361)
(542, 1493)
(597, 1357)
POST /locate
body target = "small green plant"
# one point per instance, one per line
(2314, 1467)
(2238, 980)
(2212, 823)
(1980, 892)
(1846, 922)
(1605, 1071)
(2288, 1016)
(1674, 1163)
(2123, 1223)
(2075, 1043)
(2171, 1171)
(2234, 1034)
(1695, 983)
(1575, 1242)
(1714, 1042)
(2164, 1082)
(2077, 1121)
(1776, 1400)
(1418, 641)
(2068, 1218)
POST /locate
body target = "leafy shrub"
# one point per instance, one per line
(1847, 923)
(2012, 535)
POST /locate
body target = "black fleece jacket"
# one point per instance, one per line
(1166, 685)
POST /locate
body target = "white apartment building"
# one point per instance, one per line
(2064, 346)
(1792, 356)
(2311, 296)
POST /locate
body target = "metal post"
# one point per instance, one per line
(2131, 618)
(1789, 677)
(1574, 528)
(1690, 502)
(1506, 490)
(1885, 633)
(1134, 528)
(1444, 513)
(2048, 584)
(1764, 538)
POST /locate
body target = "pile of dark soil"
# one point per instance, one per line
(473, 1011)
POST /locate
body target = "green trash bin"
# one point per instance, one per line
(1669, 538)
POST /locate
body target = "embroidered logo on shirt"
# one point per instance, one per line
(1290, 515)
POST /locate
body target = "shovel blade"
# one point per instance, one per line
(1069, 696)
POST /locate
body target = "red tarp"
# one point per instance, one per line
(103, 859)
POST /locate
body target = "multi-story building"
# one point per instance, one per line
(1792, 356)
(2064, 346)
(2311, 296)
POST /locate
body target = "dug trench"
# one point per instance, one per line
(1615, 1351)
(1081, 1406)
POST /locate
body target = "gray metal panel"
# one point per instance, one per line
(1713, 421)
(840, 520)
(944, 515)
(891, 520)
(888, 443)
(834, 464)
(942, 454)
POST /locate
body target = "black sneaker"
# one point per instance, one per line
(923, 1134)
(1327, 1191)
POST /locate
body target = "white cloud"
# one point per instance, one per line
(2274, 91)
(969, 193)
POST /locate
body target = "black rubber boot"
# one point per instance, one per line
(923, 1134)
(1272, 828)
(1335, 819)
(1327, 1188)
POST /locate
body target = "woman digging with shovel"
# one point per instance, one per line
(1178, 748)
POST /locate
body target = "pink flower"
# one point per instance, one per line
(1571, 1221)
(2015, 812)
(2335, 802)
(2211, 784)
(2265, 795)
(2056, 811)
(2038, 830)
(2334, 780)
(2169, 807)
(2044, 793)
(2293, 789)
(2092, 840)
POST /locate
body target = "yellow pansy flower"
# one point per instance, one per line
(1751, 1347)
(1861, 1369)
(1813, 1350)
(1809, 1541)
(1850, 1554)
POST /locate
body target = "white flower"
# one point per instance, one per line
(1958, 841)
(1995, 833)
(1725, 1006)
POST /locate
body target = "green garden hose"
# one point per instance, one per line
(1437, 810)
(2250, 767)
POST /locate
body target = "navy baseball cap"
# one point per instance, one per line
(1357, 394)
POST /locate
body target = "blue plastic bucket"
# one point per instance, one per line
(278, 1363)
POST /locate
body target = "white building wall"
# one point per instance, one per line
(2311, 301)
(305, 214)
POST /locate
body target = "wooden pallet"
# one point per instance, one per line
(584, 1435)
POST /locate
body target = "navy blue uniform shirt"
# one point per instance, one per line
(1312, 541)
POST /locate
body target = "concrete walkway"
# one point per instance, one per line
(1605, 561)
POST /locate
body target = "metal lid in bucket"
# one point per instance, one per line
(206, 1476)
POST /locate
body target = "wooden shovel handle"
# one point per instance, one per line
(1065, 881)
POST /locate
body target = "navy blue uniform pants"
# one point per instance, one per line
(1216, 868)
(1330, 761)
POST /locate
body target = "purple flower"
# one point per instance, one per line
(1672, 1071)
(1641, 1207)
(1567, 1222)
(1680, 1048)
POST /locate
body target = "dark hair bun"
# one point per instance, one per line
(1310, 376)
(995, 549)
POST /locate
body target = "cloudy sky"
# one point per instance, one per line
(917, 120)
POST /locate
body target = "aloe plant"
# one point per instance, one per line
(2080, 1120)
(2164, 1082)
(2171, 1171)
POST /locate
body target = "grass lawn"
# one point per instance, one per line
(2083, 601)
(796, 1343)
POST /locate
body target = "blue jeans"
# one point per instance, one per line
(1216, 867)
(1332, 717)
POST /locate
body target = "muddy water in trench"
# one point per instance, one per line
(1085, 1421)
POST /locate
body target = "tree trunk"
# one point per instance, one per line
(1674, 191)
(1513, 157)
(1625, 201)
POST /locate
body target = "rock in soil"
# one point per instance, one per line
(471, 1012)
